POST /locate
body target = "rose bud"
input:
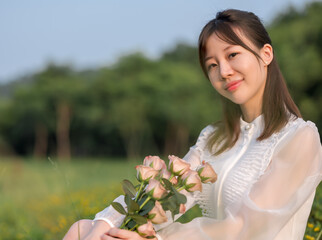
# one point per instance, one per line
(178, 166)
(182, 208)
(192, 181)
(155, 189)
(207, 173)
(157, 214)
(146, 230)
(154, 162)
(145, 173)
(166, 174)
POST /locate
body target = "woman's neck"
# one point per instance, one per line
(250, 115)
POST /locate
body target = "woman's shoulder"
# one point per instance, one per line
(209, 129)
(297, 124)
(300, 128)
(204, 135)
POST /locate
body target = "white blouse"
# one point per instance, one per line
(265, 189)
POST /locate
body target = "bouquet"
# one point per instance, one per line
(158, 191)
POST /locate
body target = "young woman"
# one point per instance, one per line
(268, 159)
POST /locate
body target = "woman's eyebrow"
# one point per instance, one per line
(225, 49)
(230, 46)
(208, 58)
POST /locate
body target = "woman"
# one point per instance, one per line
(268, 159)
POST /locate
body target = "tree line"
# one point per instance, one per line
(139, 106)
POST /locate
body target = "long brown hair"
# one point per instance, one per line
(277, 102)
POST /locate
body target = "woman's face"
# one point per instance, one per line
(236, 73)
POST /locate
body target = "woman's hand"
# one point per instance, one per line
(96, 231)
(115, 233)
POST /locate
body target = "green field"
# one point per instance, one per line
(41, 199)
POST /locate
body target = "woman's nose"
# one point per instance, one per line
(226, 70)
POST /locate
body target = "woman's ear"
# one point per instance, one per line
(267, 54)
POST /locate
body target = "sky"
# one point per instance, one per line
(95, 33)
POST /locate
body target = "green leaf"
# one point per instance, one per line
(147, 208)
(128, 188)
(203, 179)
(142, 200)
(167, 183)
(127, 199)
(151, 216)
(200, 170)
(139, 219)
(170, 204)
(118, 207)
(165, 205)
(131, 224)
(181, 198)
(150, 237)
(132, 206)
(174, 212)
(190, 186)
(189, 215)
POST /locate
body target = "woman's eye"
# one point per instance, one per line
(211, 66)
(232, 55)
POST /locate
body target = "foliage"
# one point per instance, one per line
(297, 42)
(140, 106)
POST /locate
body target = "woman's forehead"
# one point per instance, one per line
(218, 41)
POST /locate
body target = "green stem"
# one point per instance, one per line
(145, 202)
(180, 188)
(134, 227)
(172, 175)
(320, 234)
(139, 192)
(129, 219)
(124, 223)
(78, 228)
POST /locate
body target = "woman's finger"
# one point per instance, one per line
(107, 237)
(121, 233)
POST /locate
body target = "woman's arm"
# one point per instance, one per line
(289, 182)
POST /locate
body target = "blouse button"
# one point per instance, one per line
(248, 126)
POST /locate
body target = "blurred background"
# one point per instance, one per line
(88, 88)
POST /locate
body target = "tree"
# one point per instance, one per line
(297, 40)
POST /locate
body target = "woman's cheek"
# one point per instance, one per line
(217, 86)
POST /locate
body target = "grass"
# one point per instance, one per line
(41, 199)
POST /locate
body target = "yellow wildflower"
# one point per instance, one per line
(316, 229)
(310, 225)
(309, 237)
(62, 222)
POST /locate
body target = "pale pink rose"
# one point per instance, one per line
(177, 165)
(192, 181)
(166, 174)
(158, 214)
(154, 162)
(207, 173)
(182, 208)
(146, 230)
(155, 189)
(145, 173)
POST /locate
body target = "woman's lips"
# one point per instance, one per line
(233, 85)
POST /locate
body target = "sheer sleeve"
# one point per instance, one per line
(194, 153)
(110, 215)
(289, 182)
